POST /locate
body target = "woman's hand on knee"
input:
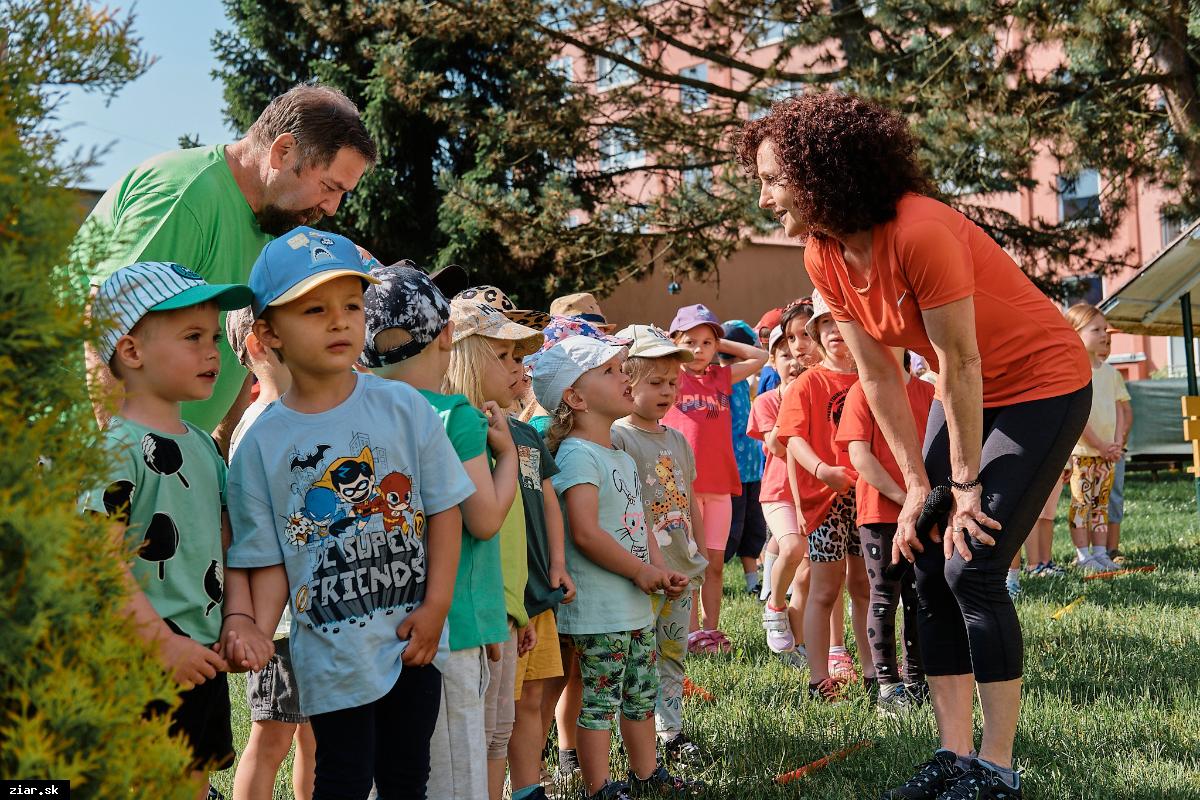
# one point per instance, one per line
(968, 519)
(906, 543)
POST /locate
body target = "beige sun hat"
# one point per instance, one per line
(475, 318)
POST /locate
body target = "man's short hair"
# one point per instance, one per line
(238, 325)
(322, 119)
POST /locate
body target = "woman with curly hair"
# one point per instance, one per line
(901, 269)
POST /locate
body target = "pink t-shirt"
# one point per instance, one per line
(763, 413)
(702, 413)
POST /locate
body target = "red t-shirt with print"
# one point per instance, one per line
(704, 415)
(858, 425)
(811, 409)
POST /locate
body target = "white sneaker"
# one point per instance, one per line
(779, 630)
(1103, 560)
(1090, 565)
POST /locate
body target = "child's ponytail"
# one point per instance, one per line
(562, 421)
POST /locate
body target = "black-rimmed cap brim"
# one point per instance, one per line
(451, 280)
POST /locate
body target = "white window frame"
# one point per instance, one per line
(614, 150)
(1067, 188)
(611, 74)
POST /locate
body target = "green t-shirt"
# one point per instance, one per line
(540, 423)
(477, 611)
(536, 466)
(182, 206)
(169, 491)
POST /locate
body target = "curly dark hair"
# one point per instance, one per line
(847, 160)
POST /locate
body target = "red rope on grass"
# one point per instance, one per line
(821, 763)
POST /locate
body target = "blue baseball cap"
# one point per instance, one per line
(299, 261)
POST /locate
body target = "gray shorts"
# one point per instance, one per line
(272, 693)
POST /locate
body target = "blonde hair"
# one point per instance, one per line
(469, 358)
(638, 368)
(1080, 314)
(562, 422)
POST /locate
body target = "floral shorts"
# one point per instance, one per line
(837, 535)
(618, 674)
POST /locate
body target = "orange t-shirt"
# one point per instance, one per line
(931, 255)
(811, 409)
(858, 425)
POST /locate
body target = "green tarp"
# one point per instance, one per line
(1157, 418)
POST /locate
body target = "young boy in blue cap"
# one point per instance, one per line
(165, 490)
(344, 501)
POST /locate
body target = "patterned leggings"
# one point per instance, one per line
(618, 674)
(1091, 485)
(885, 597)
(671, 632)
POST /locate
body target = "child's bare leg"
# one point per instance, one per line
(837, 623)
(304, 766)
(824, 593)
(528, 737)
(567, 710)
(710, 592)
(799, 598)
(593, 756)
(859, 588)
(267, 747)
(1114, 536)
(640, 745)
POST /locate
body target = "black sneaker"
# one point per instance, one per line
(931, 779)
(918, 693)
(680, 748)
(661, 783)
(981, 783)
(611, 790)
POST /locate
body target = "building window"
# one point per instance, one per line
(690, 97)
(763, 32)
(1171, 228)
(619, 150)
(1083, 289)
(610, 73)
(563, 67)
(1079, 196)
(767, 95)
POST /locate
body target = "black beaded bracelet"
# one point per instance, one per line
(965, 487)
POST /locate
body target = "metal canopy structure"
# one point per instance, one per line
(1157, 301)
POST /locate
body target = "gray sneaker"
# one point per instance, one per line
(893, 700)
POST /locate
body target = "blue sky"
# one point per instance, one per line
(175, 96)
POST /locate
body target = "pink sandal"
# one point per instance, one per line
(708, 642)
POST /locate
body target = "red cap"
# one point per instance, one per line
(770, 319)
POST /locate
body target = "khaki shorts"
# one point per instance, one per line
(545, 659)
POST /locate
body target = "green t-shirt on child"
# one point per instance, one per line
(182, 206)
(169, 491)
(477, 611)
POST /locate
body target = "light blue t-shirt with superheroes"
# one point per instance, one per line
(605, 602)
(341, 499)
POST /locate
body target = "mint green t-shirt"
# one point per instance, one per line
(477, 612)
(605, 602)
(182, 206)
(169, 490)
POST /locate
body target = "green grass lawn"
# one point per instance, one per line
(1112, 703)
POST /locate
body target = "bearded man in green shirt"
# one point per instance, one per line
(212, 209)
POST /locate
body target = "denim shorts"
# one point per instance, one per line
(272, 693)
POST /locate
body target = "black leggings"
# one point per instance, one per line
(387, 740)
(886, 594)
(967, 620)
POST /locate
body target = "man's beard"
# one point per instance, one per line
(277, 221)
